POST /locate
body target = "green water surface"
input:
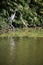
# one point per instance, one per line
(21, 51)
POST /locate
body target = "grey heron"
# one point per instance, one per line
(10, 19)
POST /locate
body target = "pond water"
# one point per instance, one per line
(21, 51)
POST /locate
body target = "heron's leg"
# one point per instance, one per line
(11, 26)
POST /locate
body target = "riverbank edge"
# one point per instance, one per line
(25, 32)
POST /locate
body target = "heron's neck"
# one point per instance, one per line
(14, 13)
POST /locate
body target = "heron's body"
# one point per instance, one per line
(12, 17)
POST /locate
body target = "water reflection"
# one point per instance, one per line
(12, 45)
(21, 51)
(12, 50)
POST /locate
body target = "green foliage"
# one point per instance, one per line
(31, 11)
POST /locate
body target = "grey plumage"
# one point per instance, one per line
(10, 19)
(12, 16)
